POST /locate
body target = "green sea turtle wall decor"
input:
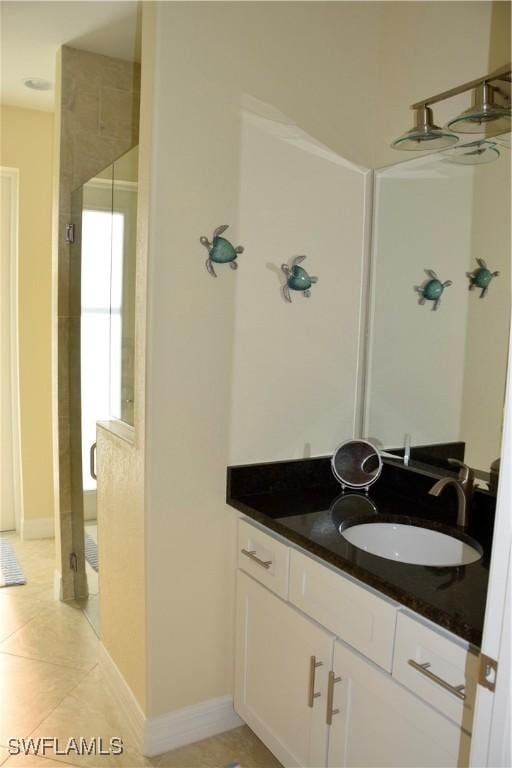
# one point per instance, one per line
(297, 279)
(432, 289)
(220, 250)
(481, 277)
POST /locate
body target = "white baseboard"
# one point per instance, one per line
(124, 698)
(184, 726)
(155, 735)
(39, 528)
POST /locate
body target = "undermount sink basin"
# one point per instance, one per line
(412, 544)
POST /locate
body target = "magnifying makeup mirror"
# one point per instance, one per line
(356, 464)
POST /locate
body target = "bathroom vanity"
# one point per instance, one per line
(344, 658)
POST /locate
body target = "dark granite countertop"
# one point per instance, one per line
(300, 501)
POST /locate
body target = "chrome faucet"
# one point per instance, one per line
(463, 485)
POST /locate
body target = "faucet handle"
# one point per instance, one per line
(407, 448)
(466, 474)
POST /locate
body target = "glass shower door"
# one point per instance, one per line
(105, 215)
(96, 278)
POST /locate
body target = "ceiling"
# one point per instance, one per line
(32, 32)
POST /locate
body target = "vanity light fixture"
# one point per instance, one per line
(425, 134)
(484, 117)
(474, 153)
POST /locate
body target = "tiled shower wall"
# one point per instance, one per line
(98, 120)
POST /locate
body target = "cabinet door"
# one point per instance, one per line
(381, 724)
(274, 649)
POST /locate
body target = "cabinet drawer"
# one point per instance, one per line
(264, 558)
(351, 612)
(447, 665)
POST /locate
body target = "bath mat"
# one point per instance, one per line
(10, 570)
(91, 551)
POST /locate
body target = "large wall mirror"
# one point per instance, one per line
(439, 374)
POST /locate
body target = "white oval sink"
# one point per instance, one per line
(411, 544)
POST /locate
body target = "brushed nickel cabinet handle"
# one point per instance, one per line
(92, 463)
(313, 664)
(251, 554)
(456, 690)
(330, 697)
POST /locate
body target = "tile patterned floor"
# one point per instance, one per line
(51, 683)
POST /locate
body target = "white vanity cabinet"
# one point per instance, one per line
(282, 663)
(379, 724)
(323, 673)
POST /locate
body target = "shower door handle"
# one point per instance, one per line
(92, 461)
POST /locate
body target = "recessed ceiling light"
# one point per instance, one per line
(38, 84)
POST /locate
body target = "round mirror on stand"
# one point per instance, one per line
(356, 464)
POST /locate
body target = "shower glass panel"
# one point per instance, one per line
(108, 236)
(105, 219)
(96, 249)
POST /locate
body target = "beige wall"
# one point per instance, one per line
(27, 144)
(499, 53)
(425, 48)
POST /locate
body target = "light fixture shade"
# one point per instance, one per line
(425, 135)
(474, 153)
(484, 116)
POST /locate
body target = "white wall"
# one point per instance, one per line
(295, 365)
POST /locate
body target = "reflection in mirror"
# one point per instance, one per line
(440, 375)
